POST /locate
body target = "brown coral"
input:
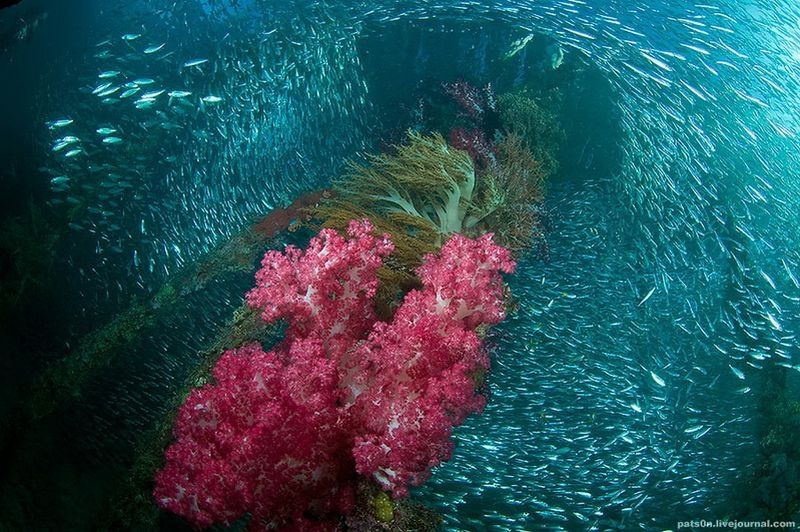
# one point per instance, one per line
(519, 180)
(536, 126)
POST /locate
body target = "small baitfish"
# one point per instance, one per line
(154, 49)
(194, 62)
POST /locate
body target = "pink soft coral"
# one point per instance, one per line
(420, 371)
(282, 434)
(327, 290)
(263, 439)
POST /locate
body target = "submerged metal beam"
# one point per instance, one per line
(66, 378)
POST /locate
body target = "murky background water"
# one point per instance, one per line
(627, 389)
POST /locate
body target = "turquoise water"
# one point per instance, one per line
(628, 389)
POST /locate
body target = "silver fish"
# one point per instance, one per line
(154, 49)
(55, 124)
(194, 63)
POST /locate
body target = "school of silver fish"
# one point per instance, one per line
(622, 389)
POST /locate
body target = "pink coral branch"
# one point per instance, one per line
(474, 142)
(474, 101)
(326, 290)
(420, 370)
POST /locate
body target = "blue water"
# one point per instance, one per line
(627, 390)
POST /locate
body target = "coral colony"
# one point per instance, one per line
(285, 435)
(477, 104)
(383, 354)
